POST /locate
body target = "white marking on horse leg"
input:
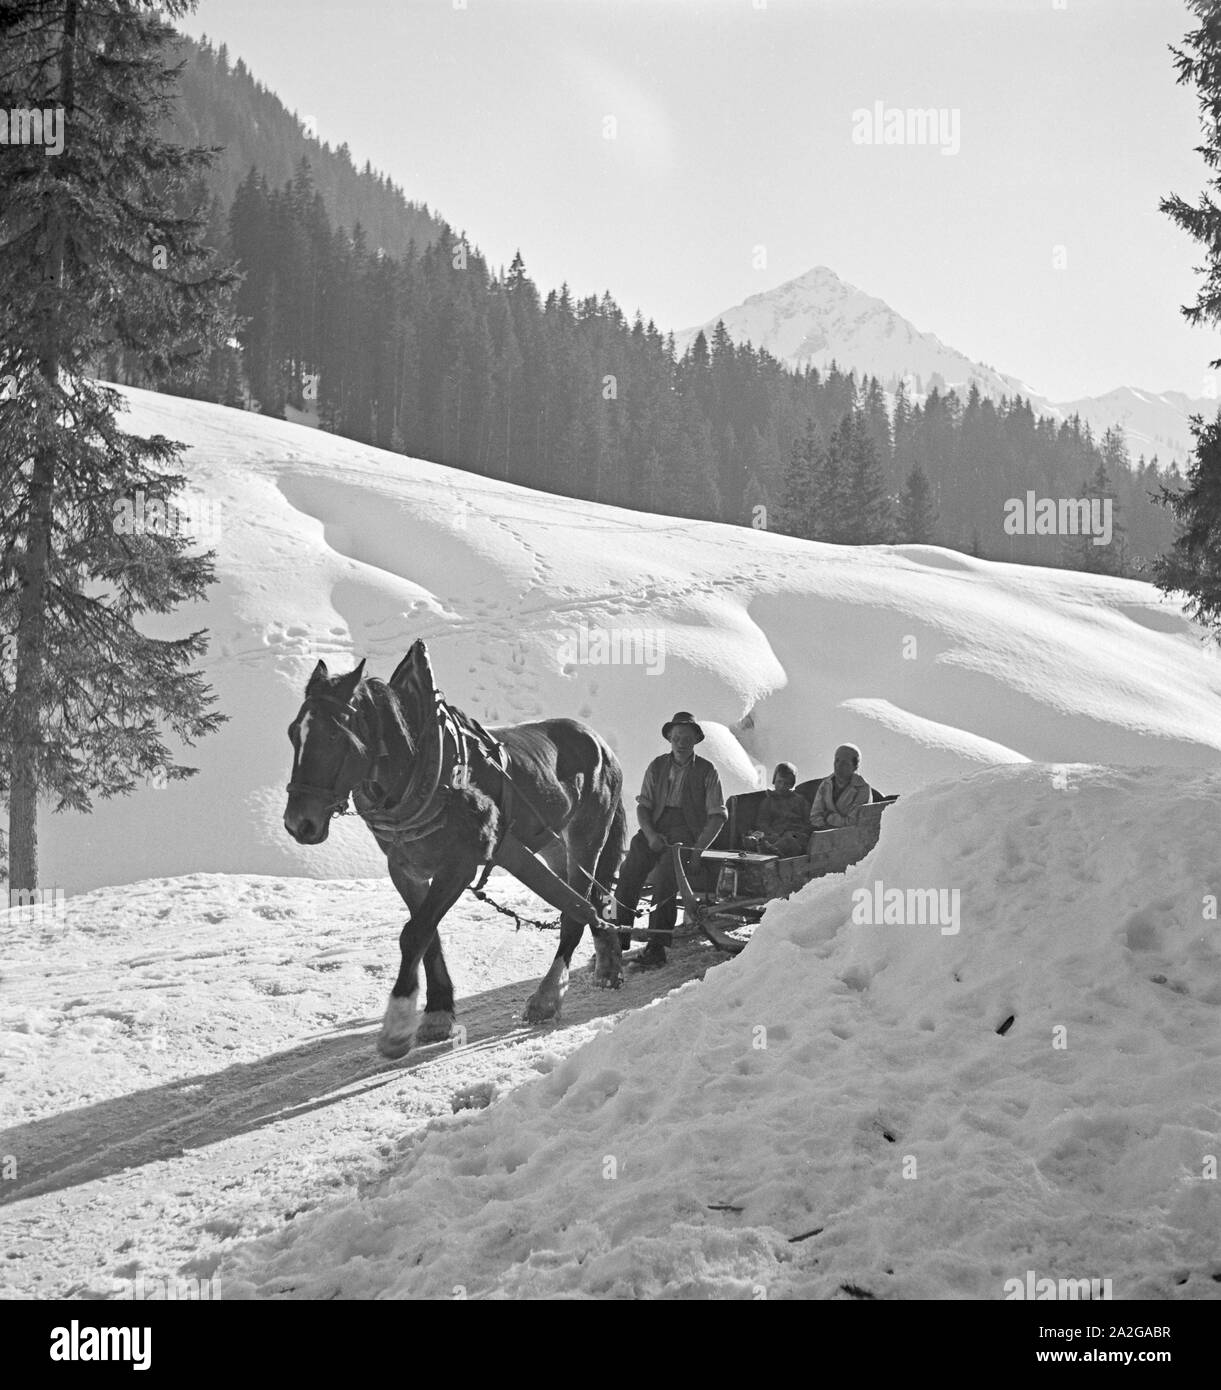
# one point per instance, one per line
(399, 1025)
(545, 1002)
(555, 981)
(608, 961)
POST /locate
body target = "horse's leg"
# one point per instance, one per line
(401, 1021)
(583, 855)
(608, 967)
(438, 1021)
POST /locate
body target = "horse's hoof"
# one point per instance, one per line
(435, 1027)
(614, 981)
(398, 1027)
(394, 1048)
(541, 1009)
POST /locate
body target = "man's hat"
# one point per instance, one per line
(683, 717)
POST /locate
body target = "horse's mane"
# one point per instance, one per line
(390, 726)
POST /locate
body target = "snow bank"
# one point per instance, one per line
(933, 662)
(838, 1109)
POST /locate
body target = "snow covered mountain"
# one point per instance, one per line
(532, 604)
(1153, 422)
(819, 318)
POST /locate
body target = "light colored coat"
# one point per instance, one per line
(831, 810)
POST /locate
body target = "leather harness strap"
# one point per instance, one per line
(442, 766)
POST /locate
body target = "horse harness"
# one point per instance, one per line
(454, 742)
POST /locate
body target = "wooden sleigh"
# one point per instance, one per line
(724, 915)
(729, 912)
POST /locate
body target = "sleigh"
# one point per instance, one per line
(745, 882)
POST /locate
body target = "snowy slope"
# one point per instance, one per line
(837, 1110)
(190, 1061)
(933, 662)
(818, 318)
(188, 1083)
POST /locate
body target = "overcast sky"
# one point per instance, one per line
(734, 130)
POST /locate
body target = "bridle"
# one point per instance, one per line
(436, 771)
(342, 714)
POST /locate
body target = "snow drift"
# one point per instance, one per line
(852, 1110)
(933, 662)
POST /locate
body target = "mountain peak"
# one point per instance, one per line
(817, 318)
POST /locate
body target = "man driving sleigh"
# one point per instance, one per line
(680, 803)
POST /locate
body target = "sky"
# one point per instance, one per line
(684, 154)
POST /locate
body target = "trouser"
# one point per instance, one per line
(640, 863)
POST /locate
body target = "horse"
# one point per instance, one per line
(442, 796)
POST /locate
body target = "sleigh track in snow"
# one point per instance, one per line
(97, 1141)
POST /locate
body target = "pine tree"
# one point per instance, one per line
(852, 506)
(92, 256)
(1199, 63)
(802, 479)
(867, 516)
(1192, 565)
(1080, 552)
(917, 519)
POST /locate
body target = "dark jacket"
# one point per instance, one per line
(695, 793)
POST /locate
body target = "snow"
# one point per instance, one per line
(929, 660)
(188, 1062)
(188, 1078)
(851, 1079)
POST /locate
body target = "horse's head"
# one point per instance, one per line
(330, 753)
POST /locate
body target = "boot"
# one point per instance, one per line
(653, 956)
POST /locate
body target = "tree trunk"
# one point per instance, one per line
(28, 684)
(34, 565)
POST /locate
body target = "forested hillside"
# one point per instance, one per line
(222, 104)
(371, 312)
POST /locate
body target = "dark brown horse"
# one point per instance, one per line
(442, 796)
